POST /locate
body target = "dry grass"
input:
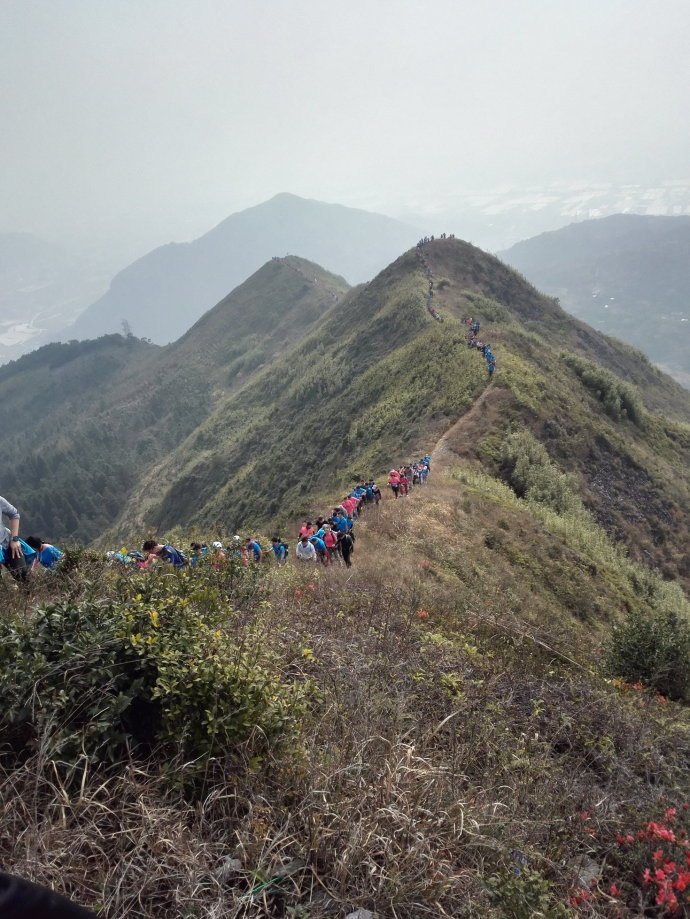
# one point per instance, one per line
(435, 748)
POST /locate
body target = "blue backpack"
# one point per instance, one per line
(176, 558)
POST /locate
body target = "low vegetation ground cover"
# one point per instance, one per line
(432, 732)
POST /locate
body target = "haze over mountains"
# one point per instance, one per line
(628, 275)
(165, 292)
(46, 289)
(42, 288)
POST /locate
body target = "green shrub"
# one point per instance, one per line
(619, 399)
(652, 649)
(527, 467)
(524, 893)
(157, 665)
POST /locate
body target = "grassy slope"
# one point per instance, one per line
(437, 751)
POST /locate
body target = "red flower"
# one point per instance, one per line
(310, 587)
(613, 890)
(422, 614)
(298, 593)
(658, 855)
(647, 876)
(670, 813)
(682, 880)
(585, 815)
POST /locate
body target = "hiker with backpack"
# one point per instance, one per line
(321, 550)
(167, 553)
(46, 554)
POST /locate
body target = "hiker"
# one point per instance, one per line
(217, 555)
(306, 529)
(46, 554)
(491, 367)
(394, 481)
(346, 543)
(280, 550)
(170, 554)
(15, 554)
(321, 550)
(199, 553)
(305, 551)
(331, 540)
(253, 549)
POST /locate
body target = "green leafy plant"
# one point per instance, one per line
(158, 664)
(653, 649)
(524, 893)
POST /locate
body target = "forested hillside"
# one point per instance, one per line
(89, 419)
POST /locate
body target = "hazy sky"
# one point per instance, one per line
(161, 117)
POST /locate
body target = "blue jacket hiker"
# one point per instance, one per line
(168, 553)
(46, 555)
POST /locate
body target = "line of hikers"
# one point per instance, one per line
(430, 276)
(327, 540)
(473, 341)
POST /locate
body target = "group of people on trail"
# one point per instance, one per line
(331, 540)
(328, 540)
(429, 239)
(473, 341)
(20, 556)
(401, 481)
(430, 276)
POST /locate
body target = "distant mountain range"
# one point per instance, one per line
(627, 275)
(162, 294)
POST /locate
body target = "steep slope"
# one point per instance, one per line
(162, 294)
(378, 377)
(627, 275)
(99, 413)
